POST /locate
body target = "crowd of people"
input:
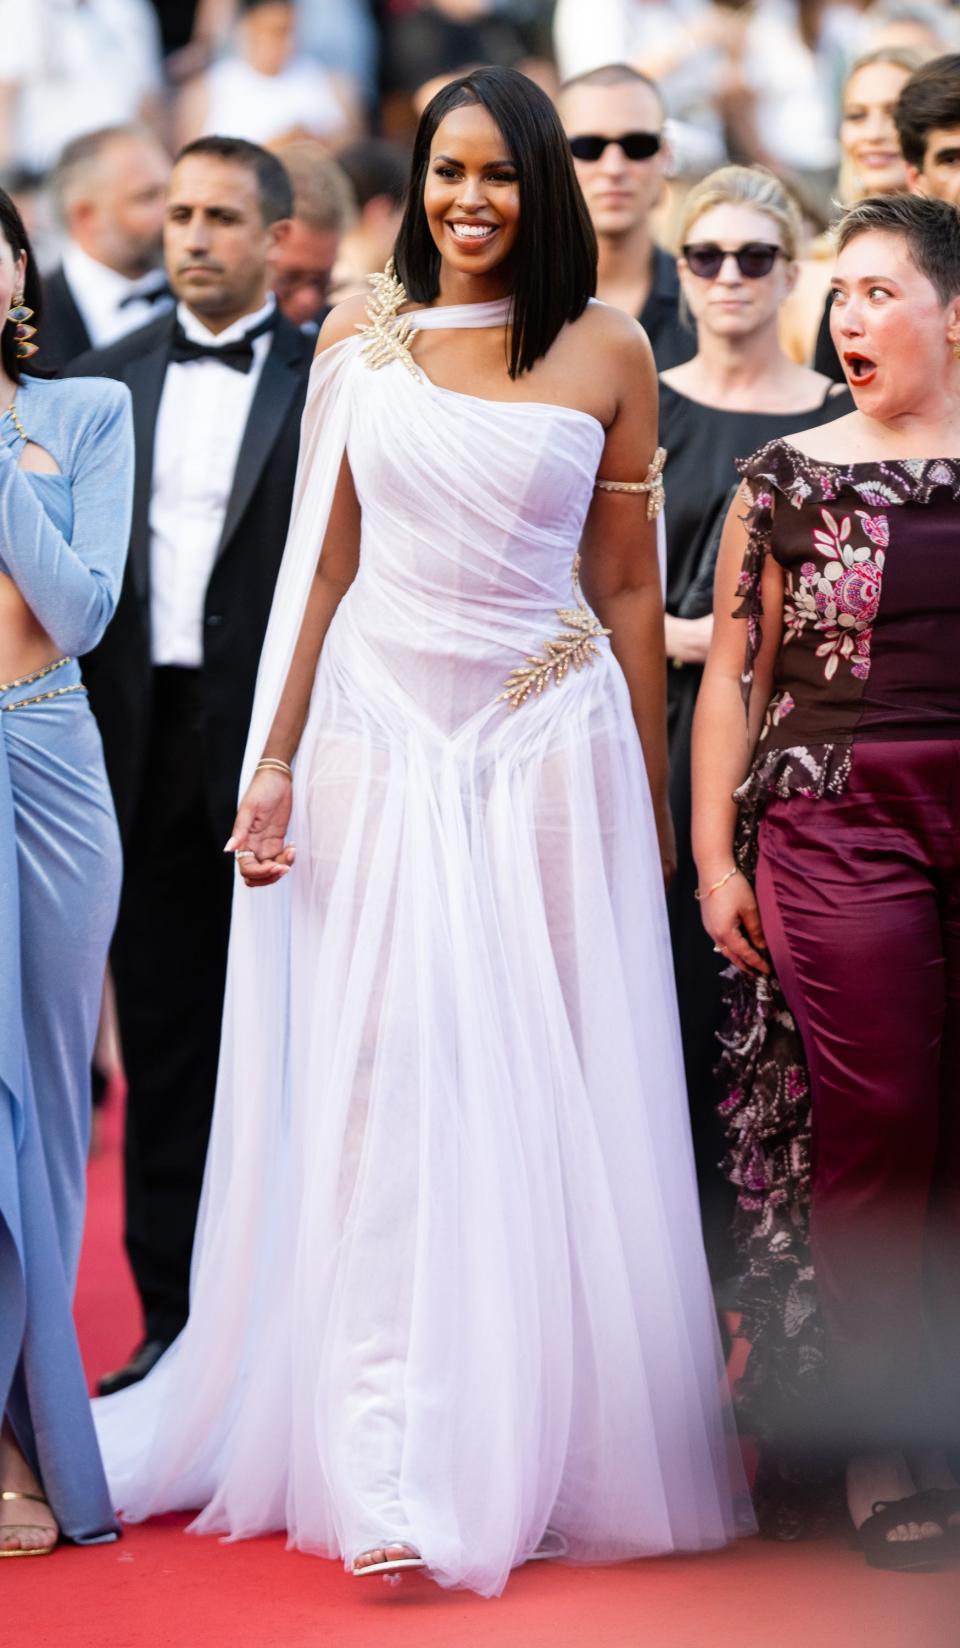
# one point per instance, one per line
(612, 985)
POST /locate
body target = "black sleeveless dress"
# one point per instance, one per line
(703, 444)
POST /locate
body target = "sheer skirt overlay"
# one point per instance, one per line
(449, 1286)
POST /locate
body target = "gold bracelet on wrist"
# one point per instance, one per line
(700, 897)
(272, 763)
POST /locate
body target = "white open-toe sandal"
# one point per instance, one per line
(393, 1565)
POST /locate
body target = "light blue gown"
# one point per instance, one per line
(63, 541)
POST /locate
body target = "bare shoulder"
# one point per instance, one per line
(617, 345)
(343, 320)
(604, 327)
(833, 442)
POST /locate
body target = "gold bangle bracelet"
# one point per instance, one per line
(272, 763)
(734, 870)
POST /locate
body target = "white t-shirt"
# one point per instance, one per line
(76, 67)
(203, 413)
(797, 91)
(260, 107)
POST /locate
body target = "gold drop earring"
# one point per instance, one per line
(19, 316)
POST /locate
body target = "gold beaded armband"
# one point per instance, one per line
(652, 485)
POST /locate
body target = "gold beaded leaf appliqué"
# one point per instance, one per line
(571, 650)
(387, 333)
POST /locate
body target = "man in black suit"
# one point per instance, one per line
(218, 389)
(109, 187)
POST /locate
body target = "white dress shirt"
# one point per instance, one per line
(110, 305)
(203, 412)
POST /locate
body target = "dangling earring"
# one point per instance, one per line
(19, 315)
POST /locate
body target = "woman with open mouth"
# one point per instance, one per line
(827, 838)
(450, 1307)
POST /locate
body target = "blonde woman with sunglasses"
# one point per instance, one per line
(739, 233)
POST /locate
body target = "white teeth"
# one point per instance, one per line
(472, 231)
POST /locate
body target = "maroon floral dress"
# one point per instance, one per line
(868, 652)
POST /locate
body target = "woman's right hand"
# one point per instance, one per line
(732, 919)
(258, 839)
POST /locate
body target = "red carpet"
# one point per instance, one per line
(160, 1589)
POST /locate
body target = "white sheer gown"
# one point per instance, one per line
(448, 1285)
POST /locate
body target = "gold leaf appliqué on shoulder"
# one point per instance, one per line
(573, 649)
(387, 332)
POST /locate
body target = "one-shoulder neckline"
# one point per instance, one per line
(513, 406)
(385, 312)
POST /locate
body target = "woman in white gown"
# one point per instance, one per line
(449, 1297)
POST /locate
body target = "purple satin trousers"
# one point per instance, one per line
(860, 900)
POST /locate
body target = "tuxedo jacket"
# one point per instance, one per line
(119, 672)
(62, 334)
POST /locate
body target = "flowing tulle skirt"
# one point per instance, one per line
(452, 1289)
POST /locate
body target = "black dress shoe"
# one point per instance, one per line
(139, 1365)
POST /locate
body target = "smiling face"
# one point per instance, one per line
(620, 193)
(730, 305)
(471, 195)
(895, 338)
(940, 173)
(868, 134)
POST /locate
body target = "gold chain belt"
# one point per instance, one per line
(30, 680)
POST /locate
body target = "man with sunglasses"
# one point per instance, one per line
(613, 117)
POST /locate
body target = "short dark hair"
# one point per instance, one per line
(929, 100)
(613, 74)
(555, 256)
(16, 237)
(930, 227)
(376, 166)
(273, 185)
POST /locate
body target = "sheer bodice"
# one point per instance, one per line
(472, 513)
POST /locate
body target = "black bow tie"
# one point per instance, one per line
(152, 294)
(238, 355)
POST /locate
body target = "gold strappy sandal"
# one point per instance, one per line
(7, 1497)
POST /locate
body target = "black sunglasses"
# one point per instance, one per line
(754, 260)
(635, 145)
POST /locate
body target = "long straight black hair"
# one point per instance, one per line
(16, 237)
(554, 259)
